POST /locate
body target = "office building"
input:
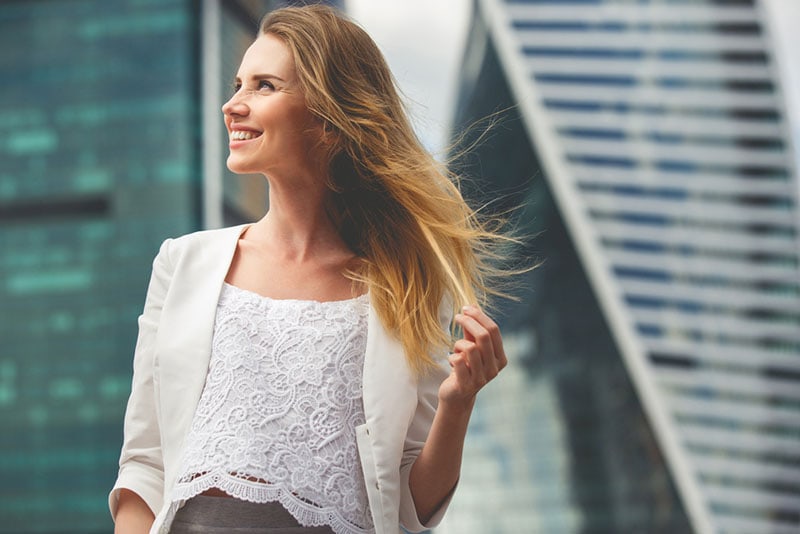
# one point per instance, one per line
(104, 113)
(655, 375)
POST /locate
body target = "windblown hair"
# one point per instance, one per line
(396, 206)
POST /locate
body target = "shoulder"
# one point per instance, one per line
(199, 248)
(208, 237)
(202, 241)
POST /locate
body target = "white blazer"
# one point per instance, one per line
(169, 372)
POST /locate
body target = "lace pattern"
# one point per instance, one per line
(276, 419)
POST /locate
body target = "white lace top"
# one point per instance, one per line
(276, 419)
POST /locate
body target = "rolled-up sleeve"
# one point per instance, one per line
(141, 467)
(415, 439)
(427, 402)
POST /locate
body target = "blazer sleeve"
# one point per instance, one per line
(427, 402)
(141, 467)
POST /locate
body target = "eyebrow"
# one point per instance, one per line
(263, 77)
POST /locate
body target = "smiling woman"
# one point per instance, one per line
(271, 130)
(294, 372)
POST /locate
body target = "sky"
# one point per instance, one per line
(423, 42)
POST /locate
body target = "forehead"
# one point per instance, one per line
(268, 55)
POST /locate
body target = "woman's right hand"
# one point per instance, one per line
(133, 515)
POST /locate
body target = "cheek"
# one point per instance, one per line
(300, 133)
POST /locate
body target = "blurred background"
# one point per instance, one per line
(654, 382)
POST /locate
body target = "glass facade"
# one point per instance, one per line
(560, 444)
(649, 147)
(98, 135)
(100, 160)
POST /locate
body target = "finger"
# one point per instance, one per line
(468, 370)
(483, 365)
(458, 362)
(491, 327)
(485, 321)
(470, 352)
(477, 333)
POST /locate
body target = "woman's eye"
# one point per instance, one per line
(235, 87)
(265, 84)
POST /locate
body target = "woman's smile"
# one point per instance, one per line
(243, 135)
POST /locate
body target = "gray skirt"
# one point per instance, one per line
(217, 515)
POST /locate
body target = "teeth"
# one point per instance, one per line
(241, 135)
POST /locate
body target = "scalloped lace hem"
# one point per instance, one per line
(306, 513)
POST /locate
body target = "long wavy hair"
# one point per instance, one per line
(399, 209)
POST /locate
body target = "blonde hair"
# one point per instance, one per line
(397, 208)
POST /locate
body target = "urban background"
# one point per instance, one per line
(650, 145)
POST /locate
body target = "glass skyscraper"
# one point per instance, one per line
(654, 383)
(104, 108)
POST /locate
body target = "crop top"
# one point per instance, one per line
(277, 416)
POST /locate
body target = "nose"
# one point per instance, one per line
(235, 106)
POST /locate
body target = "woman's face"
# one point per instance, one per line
(270, 130)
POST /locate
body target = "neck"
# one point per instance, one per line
(297, 226)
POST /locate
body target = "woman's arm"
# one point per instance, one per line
(476, 359)
(133, 514)
(141, 473)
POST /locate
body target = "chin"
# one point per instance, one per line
(240, 167)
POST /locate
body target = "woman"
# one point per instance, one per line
(287, 373)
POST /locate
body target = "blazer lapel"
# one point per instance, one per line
(187, 326)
